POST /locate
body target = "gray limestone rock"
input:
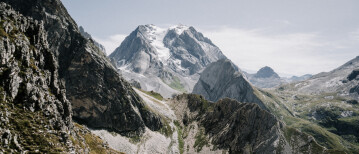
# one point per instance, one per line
(165, 60)
(221, 79)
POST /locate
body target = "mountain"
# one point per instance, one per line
(299, 78)
(35, 113)
(265, 78)
(88, 36)
(165, 60)
(54, 83)
(315, 115)
(266, 72)
(223, 79)
(329, 100)
(341, 80)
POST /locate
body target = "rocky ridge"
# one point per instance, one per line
(235, 127)
(222, 79)
(88, 36)
(100, 98)
(35, 113)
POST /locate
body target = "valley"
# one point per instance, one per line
(163, 90)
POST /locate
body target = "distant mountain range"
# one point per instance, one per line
(59, 93)
(266, 77)
(167, 61)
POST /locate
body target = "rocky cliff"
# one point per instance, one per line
(223, 79)
(165, 60)
(236, 128)
(35, 114)
(100, 98)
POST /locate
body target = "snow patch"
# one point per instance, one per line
(179, 29)
(156, 36)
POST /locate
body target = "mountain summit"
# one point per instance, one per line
(165, 60)
(266, 72)
(223, 79)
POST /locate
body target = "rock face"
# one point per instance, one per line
(342, 80)
(237, 128)
(88, 36)
(30, 89)
(353, 75)
(165, 60)
(265, 78)
(100, 98)
(223, 79)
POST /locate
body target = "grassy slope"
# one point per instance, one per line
(296, 111)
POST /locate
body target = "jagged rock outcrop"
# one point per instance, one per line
(223, 79)
(88, 36)
(165, 60)
(35, 115)
(31, 94)
(237, 128)
(353, 75)
(100, 98)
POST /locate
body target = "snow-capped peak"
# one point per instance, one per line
(179, 29)
(155, 37)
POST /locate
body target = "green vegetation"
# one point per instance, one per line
(291, 134)
(166, 129)
(176, 84)
(2, 32)
(201, 140)
(153, 94)
(94, 143)
(180, 137)
(135, 139)
(31, 129)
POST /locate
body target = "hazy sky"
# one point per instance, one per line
(291, 36)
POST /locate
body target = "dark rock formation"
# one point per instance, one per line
(32, 98)
(240, 127)
(353, 75)
(221, 79)
(100, 98)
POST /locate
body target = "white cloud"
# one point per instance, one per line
(111, 42)
(295, 53)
